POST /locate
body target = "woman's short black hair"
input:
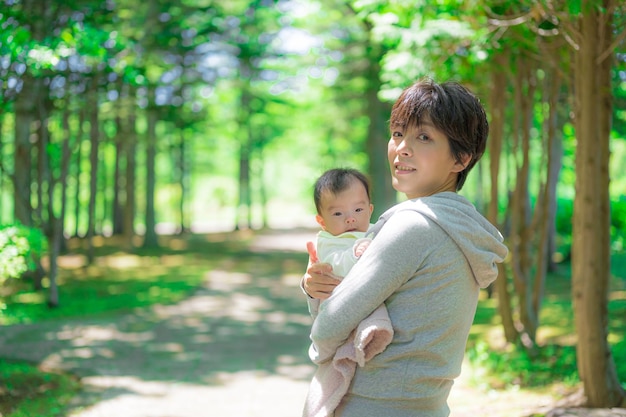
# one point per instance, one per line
(451, 108)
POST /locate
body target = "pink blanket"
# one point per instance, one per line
(332, 378)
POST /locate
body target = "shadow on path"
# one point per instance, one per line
(237, 347)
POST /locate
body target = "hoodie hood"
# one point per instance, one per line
(478, 239)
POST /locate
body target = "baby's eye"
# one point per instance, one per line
(359, 210)
(336, 214)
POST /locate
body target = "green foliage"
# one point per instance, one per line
(564, 216)
(114, 292)
(20, 247)
(127, 281)
(618, 224)
(23, 385)
(514, 367)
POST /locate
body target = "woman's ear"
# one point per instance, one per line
(463, 163)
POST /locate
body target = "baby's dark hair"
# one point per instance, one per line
(336, 180)
(451, 108)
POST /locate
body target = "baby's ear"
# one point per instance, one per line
(320, 220)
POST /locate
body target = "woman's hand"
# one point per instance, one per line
(319, 280)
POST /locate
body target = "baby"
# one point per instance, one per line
(344, 210)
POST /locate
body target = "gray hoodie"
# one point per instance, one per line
(427, 263)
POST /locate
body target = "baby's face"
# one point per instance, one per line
(347, 211)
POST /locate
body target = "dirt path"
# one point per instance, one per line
(236, 348)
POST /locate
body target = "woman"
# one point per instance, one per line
(427, 263)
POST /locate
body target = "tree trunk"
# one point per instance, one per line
(2, 190)
(150, 238)
(130, 147)
(383, 194)
(546, 209)
(42, 169)
(80, 134)
(57, 222)
(24, 116)
(260, 175)
(521, 258)
(244, 207)
(94, 140)
(185, 223)
(118, 178)
(498, 104)
(591, 243)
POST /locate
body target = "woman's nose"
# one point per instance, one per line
(403, 148)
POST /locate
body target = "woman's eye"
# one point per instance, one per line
(396, 134)
(423, 138)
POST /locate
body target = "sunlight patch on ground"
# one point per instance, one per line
(242, 394)
(86, 335)
(555, 335)
(467, 400)
(617, 295)
(71, 261)
(227, 281)
(294, 242)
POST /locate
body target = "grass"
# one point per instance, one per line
(124, 281)
(28, 391)
(509, 367)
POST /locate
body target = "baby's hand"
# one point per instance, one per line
(360, 246)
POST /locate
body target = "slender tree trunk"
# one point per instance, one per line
(498, 105)
(383, 194)
(24, 116)
(44, 211)
(80, 135)
(41, 171)
(260, 176)
(591, 243)
(183, 170)
(57, 222)
(94, 140)
(547, 203)
(2, 190)
(520, 221)
(118, 179)
(244, 207)
(150, 238)
(102, 197)
(130, 148)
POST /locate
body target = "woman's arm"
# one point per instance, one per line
(393, 257)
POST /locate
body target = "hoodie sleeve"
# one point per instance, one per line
(392, 258)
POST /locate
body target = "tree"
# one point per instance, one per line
(591, 223)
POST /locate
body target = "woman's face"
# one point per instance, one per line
(420, 160)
